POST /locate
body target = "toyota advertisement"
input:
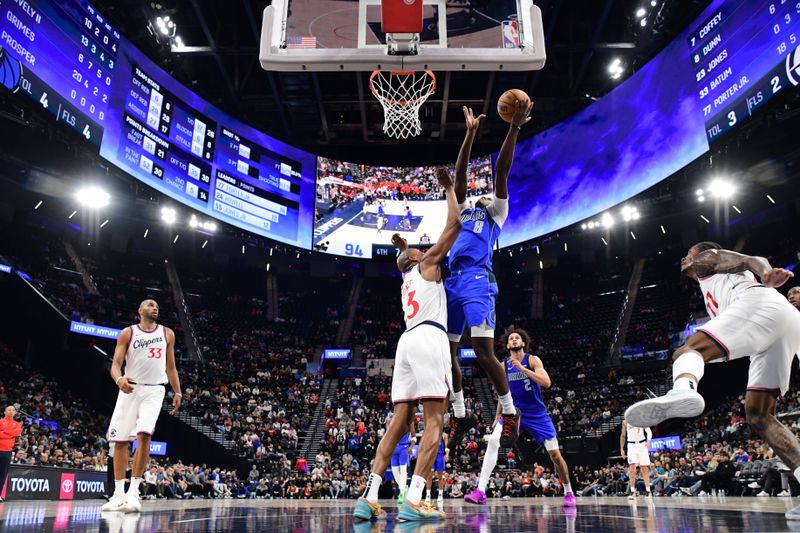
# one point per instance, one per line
(45, 483)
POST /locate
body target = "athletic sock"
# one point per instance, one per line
(567, 488)
(373, 485)
(428, 498)
(119, 487)
(490, 458)
(458, 404)
(508, 404)
(690, 363)
(133, 490)
(415, 490)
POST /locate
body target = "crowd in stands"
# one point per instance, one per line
(340, 183)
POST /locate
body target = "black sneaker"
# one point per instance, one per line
(510, 433)
(458, 428)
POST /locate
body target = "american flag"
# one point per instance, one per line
(301, 42)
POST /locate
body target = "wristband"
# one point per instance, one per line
(178, 394)
(117, 381)
(518, 128)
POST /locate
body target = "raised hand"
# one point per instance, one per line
(443, 176)
(472, 121)
(522, 112)
(399, 242)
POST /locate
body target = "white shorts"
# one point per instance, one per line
(422, 366)
(637, 454)
(136, 413)
(763, 325)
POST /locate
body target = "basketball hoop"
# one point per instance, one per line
(402, 94)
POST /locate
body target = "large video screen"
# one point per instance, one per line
(722, 68)
(68, 58)
(359, 207)
(176, 142)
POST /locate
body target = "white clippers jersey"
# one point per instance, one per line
(721, 290)
(146, 359)
(635, 434)
(422, 300)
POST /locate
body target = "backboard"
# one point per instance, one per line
(325, 35)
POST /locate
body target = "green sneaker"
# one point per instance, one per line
(419, 513)
(365, 510)
(402, 497)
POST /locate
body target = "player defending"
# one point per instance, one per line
(794, 297)
(748, 318)
(148, 350)
(526, 377)
(471, 287)
(421, 369)
(638, 445)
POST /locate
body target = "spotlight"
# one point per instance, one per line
(93, 197)
(699, 192)
(584, 226)
(615, 69)
(721, 189)
(629, 213)
(653, 3)
(193, 223)
(168, 215)
(607, 220)
(643, 23)
(701, 198)
(641, 12)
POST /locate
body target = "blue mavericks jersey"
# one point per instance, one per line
(441, 447)
(476, 240)
(402, 446)
(526, 393)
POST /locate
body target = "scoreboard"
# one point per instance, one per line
(743, 52)
(63, 55)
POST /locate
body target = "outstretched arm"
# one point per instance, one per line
(506, 156)
(727, 262)
(463, 154)
(437, 253)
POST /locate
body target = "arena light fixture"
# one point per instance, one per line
(663, 230)
(770, 199)
(93, 197)
(103, 225)
(706, 220)
(267, 267)
(720, 188)
(168, 215)
(633, 235)
(583, 226)
(565, 247)
(146, 231)
(629, 213)
(653, 3)
(641, 12)
(604, 240)
(541, 265)
(73, 214)
(643, 23)
(176, 238)
(607, 220)
(615, 69)
(38, 205)
(736, 209)
(204, 243)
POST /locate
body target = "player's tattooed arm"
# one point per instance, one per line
(727, 262)
(464, 154)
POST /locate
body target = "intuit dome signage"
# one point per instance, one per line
(42, 483)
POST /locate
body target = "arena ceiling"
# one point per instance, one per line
(334, 114)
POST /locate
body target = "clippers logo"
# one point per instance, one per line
(793, 66)
(67, 487)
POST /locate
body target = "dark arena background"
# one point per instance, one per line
(236, 163)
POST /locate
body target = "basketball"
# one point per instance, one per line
(507, 102)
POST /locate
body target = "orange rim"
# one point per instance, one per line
(401, 73)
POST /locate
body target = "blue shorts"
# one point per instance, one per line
(540, 427)
(471, 294)
(400, 459)
(438, 465)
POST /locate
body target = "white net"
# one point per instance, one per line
(402, 94)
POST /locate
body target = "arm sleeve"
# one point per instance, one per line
(498, 210)
(649, 433)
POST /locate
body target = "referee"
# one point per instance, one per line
(10, 429)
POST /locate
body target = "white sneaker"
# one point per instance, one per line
(702, 493)
(763, 494)
(784, 494)
(754, 485)
(631, 496)
(677, 403)
(132, 505)
(116, 503)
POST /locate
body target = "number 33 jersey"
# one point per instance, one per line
(423, 300)
(146, 359)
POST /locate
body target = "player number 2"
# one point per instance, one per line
(155, 353)
(413, 304)
(528, 385)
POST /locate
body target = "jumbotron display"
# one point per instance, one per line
(359, 207)
(733, 58)
(727, 63)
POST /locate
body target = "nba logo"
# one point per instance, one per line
(510, 34)
(793, 66)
